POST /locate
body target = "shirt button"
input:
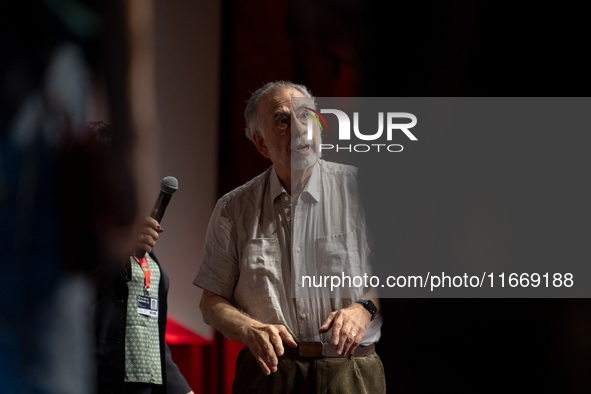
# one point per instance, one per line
(288, 218)
(303, 315)
(286, 198)
(298, 250)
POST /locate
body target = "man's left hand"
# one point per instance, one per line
(348, 327)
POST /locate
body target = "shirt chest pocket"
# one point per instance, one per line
(338, 254)
(261, 264)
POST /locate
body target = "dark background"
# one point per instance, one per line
(406, 49)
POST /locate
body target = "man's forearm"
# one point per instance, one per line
(224, 317)
(263, 340)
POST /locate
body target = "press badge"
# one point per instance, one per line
(147, 306)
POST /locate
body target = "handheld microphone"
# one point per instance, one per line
(168, 186)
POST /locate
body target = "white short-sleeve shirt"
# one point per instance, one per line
(260, 244)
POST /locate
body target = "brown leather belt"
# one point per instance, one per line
(321, 350)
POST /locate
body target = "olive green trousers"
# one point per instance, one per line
(356, 375)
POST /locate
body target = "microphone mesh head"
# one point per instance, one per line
(169, 185)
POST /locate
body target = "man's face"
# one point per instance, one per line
(284, 142)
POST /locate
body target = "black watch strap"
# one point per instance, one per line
(370, 307)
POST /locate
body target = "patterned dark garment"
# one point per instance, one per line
(142, 347)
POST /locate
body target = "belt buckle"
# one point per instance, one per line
(311, 349)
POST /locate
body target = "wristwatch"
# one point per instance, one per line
(370, 307)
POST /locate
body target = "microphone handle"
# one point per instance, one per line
(157, 213)
(160, 206)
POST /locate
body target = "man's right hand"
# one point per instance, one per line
(265, 342)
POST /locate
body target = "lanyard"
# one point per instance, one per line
(146, 268)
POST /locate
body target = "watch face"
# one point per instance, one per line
(367, 304)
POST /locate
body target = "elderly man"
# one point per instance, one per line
(302, 215)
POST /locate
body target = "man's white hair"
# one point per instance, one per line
(251, 114)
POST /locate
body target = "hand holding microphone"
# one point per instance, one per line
(149, 227)
(146, 234)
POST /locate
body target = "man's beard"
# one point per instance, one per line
(302, 162)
